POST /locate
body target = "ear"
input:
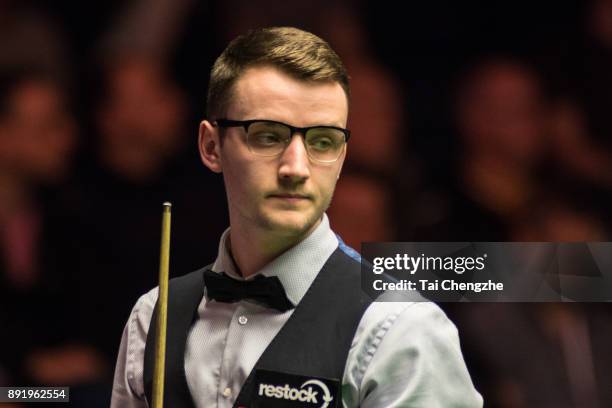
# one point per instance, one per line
(210, 146)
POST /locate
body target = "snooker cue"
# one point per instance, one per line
(162, 311)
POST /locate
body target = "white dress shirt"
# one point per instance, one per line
(403, 354)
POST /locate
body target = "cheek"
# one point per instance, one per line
(325, 183)
(236, 185)
(244, 181)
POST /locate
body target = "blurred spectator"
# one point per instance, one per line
(560, 218)
(538, 355)
(499, 112)
(574, 150)
(558, 357)
(137, 163)
(37, 139)
(235, 17)
(581, 124)
(31, 38)
(140, 119)
(147, 27)
(592, 81)
(362, 195)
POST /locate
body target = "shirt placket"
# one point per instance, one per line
(232, 371)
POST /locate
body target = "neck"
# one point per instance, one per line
(254, 248)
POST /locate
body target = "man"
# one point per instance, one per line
(299, 331)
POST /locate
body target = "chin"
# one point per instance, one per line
(290, 223)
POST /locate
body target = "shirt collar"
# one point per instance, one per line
(296, 268)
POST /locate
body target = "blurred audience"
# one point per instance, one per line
(499, 110)
(574, 151)
(508, 183)
(505, 191)
(362, 195)
(37, 138)
(538, 354)
(137, 162)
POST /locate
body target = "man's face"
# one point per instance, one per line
(284, 195)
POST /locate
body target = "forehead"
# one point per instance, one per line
(265, 92)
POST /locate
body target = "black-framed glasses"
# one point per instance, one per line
(264, 137)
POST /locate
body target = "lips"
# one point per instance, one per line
(290, 196)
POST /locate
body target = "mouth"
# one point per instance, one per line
(289, 197)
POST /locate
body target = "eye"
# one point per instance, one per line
(324, 139)
(321, 143)
(266, 139)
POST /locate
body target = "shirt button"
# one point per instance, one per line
(227, 392)
(243, 320)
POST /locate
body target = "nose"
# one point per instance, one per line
(294, 162)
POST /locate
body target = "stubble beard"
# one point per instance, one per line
(292, 226)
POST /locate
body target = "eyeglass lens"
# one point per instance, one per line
(270, 139)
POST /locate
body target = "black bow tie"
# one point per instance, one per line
(266, 290)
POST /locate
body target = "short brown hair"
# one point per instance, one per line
(298, 53)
